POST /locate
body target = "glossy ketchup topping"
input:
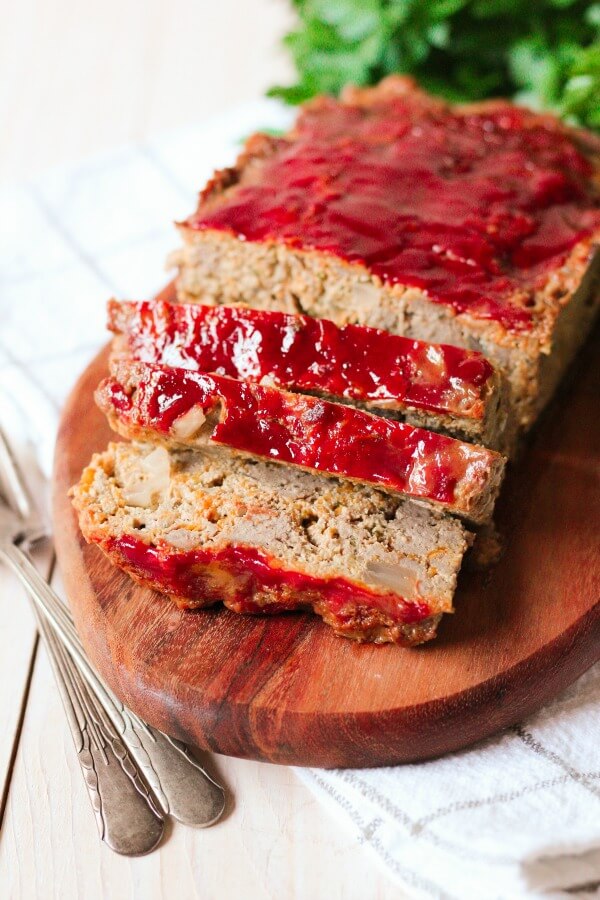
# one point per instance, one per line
(304, 431)
(198, 575)
(473, 208)
(301, 353)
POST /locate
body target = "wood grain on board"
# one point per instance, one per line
(286, 689)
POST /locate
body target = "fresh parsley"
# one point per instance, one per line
(544, 53)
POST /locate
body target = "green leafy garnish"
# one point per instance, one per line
(544, 53)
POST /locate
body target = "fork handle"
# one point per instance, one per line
(127, 819)
(45, 599)
(180, 785)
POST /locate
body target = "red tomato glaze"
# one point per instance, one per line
(301, 353)
(471, 207)
(305, 431)
(237, 574)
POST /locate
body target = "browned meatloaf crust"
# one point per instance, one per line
(527, 308)
(203, 527)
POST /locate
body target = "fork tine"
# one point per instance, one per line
(20, 501)
(15, 489)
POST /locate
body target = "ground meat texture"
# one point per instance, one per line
(202, 527)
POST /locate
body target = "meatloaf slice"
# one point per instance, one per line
(203, 527)
(432, 385)
(183, 408)
(474, 226)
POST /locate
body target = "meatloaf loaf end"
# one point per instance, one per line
(203, 527)
(435, 386)
(474, 226)
(182, 408)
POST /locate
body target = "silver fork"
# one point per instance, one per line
(182, 788)
(126, 814)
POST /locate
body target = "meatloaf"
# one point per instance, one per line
(437, 386)
(203, 527)
(474, 226)
(183, 408)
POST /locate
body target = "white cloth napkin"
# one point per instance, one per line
(517, 815)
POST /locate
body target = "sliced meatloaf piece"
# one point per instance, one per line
(474, 226)
(203, 527)
(432, 385)
(184, 408)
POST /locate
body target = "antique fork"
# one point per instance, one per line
(126, 814)
(182, 788)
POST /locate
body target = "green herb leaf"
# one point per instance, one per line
(542, 52)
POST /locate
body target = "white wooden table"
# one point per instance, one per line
(75, 78)
(275, 841)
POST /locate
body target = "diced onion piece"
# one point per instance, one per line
(182, 538)
(401, 578)
(150, 480)
(365, 296)
(188, 424)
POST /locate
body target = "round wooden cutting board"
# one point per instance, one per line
(286, 689)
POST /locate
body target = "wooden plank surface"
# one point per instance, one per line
(125, 70)
(17, 643)
(17, 656)
(276, 841)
